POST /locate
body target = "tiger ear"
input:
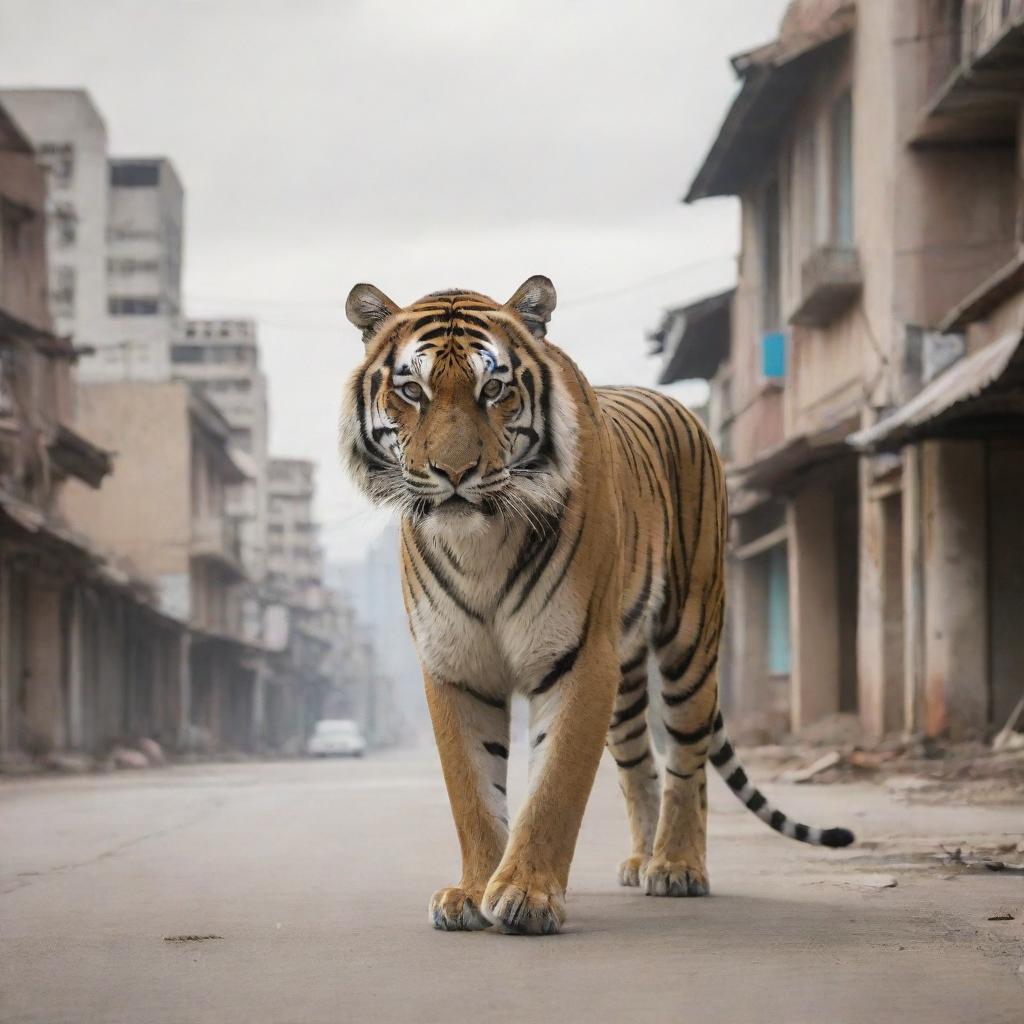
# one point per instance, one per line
(534, 302)
(368, 307)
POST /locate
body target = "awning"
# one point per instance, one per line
(78, 457)
(988, 383)
(778, 467)
(775, 77)
(696, 338)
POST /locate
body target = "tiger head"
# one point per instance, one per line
(458, 413)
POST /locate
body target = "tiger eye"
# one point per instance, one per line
(493, 388)
(412, 391)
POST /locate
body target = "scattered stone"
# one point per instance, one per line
(1001, 917)
(71, 764)
(1007, 738)
(123, 757)
(878, 882)
(152, 750)
(191, 938)
(871, 759)
(822, 764)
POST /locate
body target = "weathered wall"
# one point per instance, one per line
(142, 510)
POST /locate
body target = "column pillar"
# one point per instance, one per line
(814, 606)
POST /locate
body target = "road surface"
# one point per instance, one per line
(316, 877)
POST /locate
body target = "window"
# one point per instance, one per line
(62, 291)
(187, 354)
(132, 306)
(135, 174)
(842, 172)
(126, 267)
(59, 160)
(65, 226)
(769, 239)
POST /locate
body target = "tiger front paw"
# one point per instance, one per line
(524, 903)
(455, 910)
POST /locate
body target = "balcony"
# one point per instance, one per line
(216, 539)
(979, 95)
(831, 282)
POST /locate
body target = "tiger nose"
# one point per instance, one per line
(454, 476)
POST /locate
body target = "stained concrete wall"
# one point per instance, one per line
(142, 511)
(956, 587)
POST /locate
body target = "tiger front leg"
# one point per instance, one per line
(569, 713)
(471, 730)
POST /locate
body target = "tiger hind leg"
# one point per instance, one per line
(629, 743)
(689, 698)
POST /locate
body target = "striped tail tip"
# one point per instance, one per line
(836, 837)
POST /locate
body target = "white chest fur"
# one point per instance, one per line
(472, 623)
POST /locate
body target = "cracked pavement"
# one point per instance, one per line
(310, 881)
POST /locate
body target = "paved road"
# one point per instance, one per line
(316, 875)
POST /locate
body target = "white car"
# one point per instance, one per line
(340, 736)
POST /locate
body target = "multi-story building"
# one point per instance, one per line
(867, 377)
(295, 561)
(85, 657)
(221, 359)
(164, 510)
(144, 253)
(70, 138)
(115, 238)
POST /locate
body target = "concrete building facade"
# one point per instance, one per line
(866, 378)
(164, 511)
(115, 238)
(70, 139)
(295, 561)
(144, 260)
(220, 358)
(86, 658)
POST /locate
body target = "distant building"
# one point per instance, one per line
(164, 511)
(868, 370)
(85, 656)
(70, 138)
(295, 560)
(114, 229)
(144, 256)
(221, 359)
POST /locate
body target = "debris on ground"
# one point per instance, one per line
(822, 764)
(1007, 738)
(124, 757)
(877, 882)
(191, 938)
(152, 750)
(1001, 917)
(916, 768)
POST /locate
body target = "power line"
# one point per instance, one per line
(587, 299)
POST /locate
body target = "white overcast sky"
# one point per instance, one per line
(418, 146)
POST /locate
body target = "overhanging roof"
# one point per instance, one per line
(695, 337)
(774, 79)
(79, 457)
(988, 383)
(781, 465)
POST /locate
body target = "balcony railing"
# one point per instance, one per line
(830, 281)
(217, 538)
(974, 92)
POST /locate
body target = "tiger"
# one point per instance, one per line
(555, 538)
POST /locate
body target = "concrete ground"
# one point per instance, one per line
(316, 876)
